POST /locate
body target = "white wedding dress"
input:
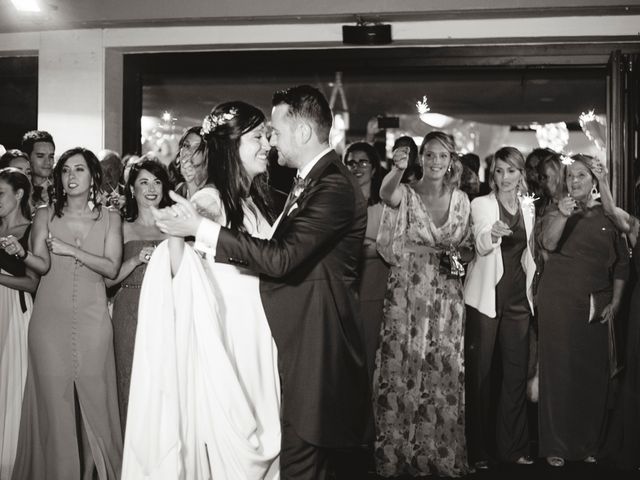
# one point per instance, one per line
(205, 391)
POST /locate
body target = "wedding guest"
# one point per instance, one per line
(147, 186)
(69, 428)
(363, 162)
(128, 161)
(498, 291)
(419, 378)
(16, 284)
(533, 169)
(576, 319)
(40, 148)
(17, 159)
(469, 182)
(192, 160)
(623, 437)
(549, 176)
(112, 170)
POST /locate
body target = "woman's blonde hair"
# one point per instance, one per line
(454, 173)
(512, 157)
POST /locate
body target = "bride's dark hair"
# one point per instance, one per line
(222, 130)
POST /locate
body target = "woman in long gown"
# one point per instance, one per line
(575, 319)
(147, 186)
(69, 427)
(219, 416)
(16, 285)
(418, 385)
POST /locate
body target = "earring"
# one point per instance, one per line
(449, 168)
(595, 194)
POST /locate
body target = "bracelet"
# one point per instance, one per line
(23, 256)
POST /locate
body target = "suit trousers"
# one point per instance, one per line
(507, 335)
(300, 460)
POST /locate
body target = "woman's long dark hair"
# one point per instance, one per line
(154, 167)
(18, 181)
(174, 167)
(95, 170)
(231, 120)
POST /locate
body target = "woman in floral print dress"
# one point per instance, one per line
(419, 377)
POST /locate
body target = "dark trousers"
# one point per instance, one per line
(300, 460)
(507, 336)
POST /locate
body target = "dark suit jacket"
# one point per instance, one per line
(308, 287)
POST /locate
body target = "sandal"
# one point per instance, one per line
(555, 461)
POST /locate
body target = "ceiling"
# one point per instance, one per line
(65, 14)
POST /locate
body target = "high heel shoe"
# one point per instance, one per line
(482, 465)
(590, 459)
(555, 461)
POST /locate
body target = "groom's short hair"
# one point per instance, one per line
(309, 103)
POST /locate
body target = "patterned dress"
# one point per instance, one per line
(418, 384)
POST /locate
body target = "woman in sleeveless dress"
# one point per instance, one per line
(69, 427)
(223, 409)
(17, 283)
(418, 384)
(147, 186)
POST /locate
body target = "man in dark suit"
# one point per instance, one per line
(308, 274)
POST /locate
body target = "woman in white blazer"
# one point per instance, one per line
(498, 293)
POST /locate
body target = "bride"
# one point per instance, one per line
(205, 391)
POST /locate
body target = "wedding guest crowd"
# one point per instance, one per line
(457, 291)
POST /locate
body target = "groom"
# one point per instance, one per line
(307, 282)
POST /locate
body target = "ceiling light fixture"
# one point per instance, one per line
(26, 5)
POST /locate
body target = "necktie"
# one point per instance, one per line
(299, 185)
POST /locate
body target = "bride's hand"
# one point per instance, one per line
(178, 220)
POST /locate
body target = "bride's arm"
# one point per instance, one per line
(207, 202)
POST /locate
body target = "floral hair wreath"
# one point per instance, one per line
(210, 122)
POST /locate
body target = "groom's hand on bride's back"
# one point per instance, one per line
(180, 219)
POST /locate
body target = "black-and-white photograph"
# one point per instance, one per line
(319, 240)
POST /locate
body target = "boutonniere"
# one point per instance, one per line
(299, 184)
(527, 201)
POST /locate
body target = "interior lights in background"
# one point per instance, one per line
(435, 120)
(552, 135)
(594, 128)
(26, 5)
(160, 136)
(337, 135)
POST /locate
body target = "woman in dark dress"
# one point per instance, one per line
(147, 186)
(578, 299)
